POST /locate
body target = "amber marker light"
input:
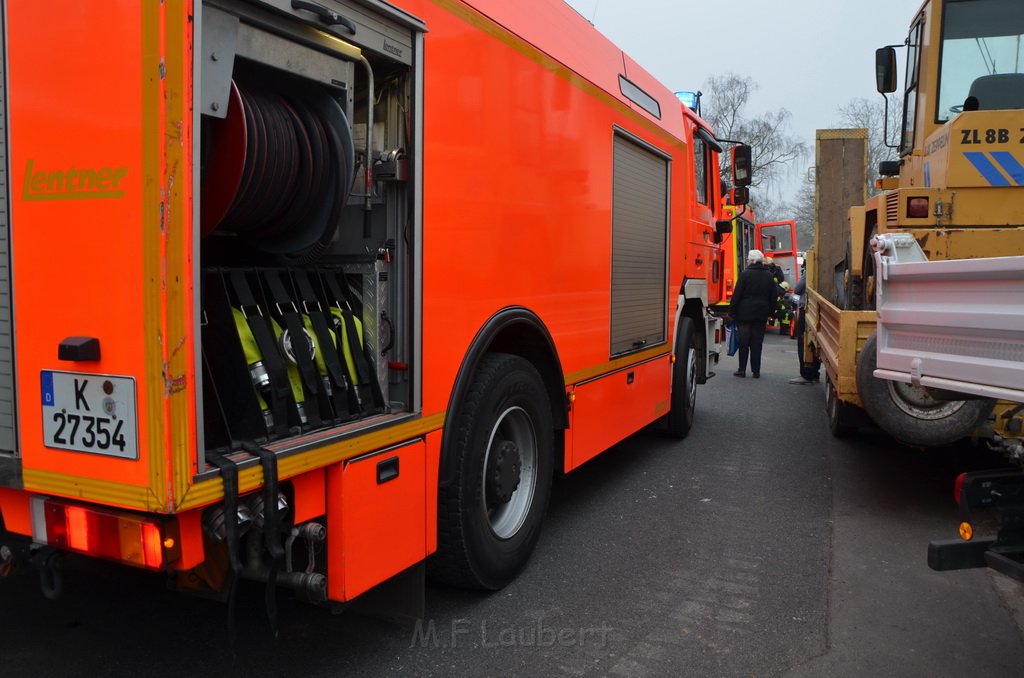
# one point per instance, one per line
(966, 531)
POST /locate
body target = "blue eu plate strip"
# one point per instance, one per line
(47, 387)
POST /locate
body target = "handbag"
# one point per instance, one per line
(732, 338)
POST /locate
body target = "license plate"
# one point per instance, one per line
(90, 413)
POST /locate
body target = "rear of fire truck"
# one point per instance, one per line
(287, 118)
(228, 348)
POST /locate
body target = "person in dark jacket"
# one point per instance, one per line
(751, 304)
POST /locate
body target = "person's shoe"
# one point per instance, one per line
(756, 375)
(739, 373)
(800, 381)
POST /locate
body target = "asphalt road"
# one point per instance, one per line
(758, 546)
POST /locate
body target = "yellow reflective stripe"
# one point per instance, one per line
(617, 364)
(154, 429)
(177, 226)
(91, 489)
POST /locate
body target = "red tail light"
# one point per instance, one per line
(105, 533)
(958, 487)
(917, 208)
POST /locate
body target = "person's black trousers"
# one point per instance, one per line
(751, 341)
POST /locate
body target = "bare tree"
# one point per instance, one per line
(724, 106)
(857, 113)
(870, 114)
(802, 210)
(768, 209)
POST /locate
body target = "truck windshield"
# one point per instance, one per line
(982, 59)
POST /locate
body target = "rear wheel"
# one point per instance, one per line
(684, 383)
(840, 419)
(489, 517)
(909, 413)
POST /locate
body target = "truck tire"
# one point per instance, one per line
(853, 292)
(684, 383)
(908, 413)
(840, 419)
(489, 517)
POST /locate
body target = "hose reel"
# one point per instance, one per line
(278, 169)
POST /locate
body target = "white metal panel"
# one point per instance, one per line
(955, 324)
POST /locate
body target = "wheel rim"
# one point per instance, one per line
(916, 402)
(513, 429)
(691, 379)
(831, 403)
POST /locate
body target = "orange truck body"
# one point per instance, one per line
(778, 241)
(733, 254)
(511, 207)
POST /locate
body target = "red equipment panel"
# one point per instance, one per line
(381, 501)
(608, 409)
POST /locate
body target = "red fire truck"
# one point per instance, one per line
(324, 293)
(778, 241)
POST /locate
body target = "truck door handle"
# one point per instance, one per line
(387, 470)
(327, 16)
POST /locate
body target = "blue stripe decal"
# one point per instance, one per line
(987, 169)
(927, 174)
(1010, 165)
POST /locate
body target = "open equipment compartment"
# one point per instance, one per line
(298, 240)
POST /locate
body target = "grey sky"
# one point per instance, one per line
(808, 56)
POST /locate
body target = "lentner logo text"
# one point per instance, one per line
(73, 183)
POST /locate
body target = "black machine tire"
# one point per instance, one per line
(683, 403)
(853, 285)
(490, 515)
(868, 281)
(840, 419)
(810, 372)
(908, 413)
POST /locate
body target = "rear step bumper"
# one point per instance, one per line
(954, 554)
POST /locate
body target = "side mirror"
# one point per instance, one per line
(739, 196)
(741, 161)
(885, 70)
(723, 227)
(889, 168)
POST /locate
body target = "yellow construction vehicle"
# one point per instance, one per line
(956, 192)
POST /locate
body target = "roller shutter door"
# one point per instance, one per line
(639, 245)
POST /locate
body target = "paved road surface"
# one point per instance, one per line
(759, 546)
